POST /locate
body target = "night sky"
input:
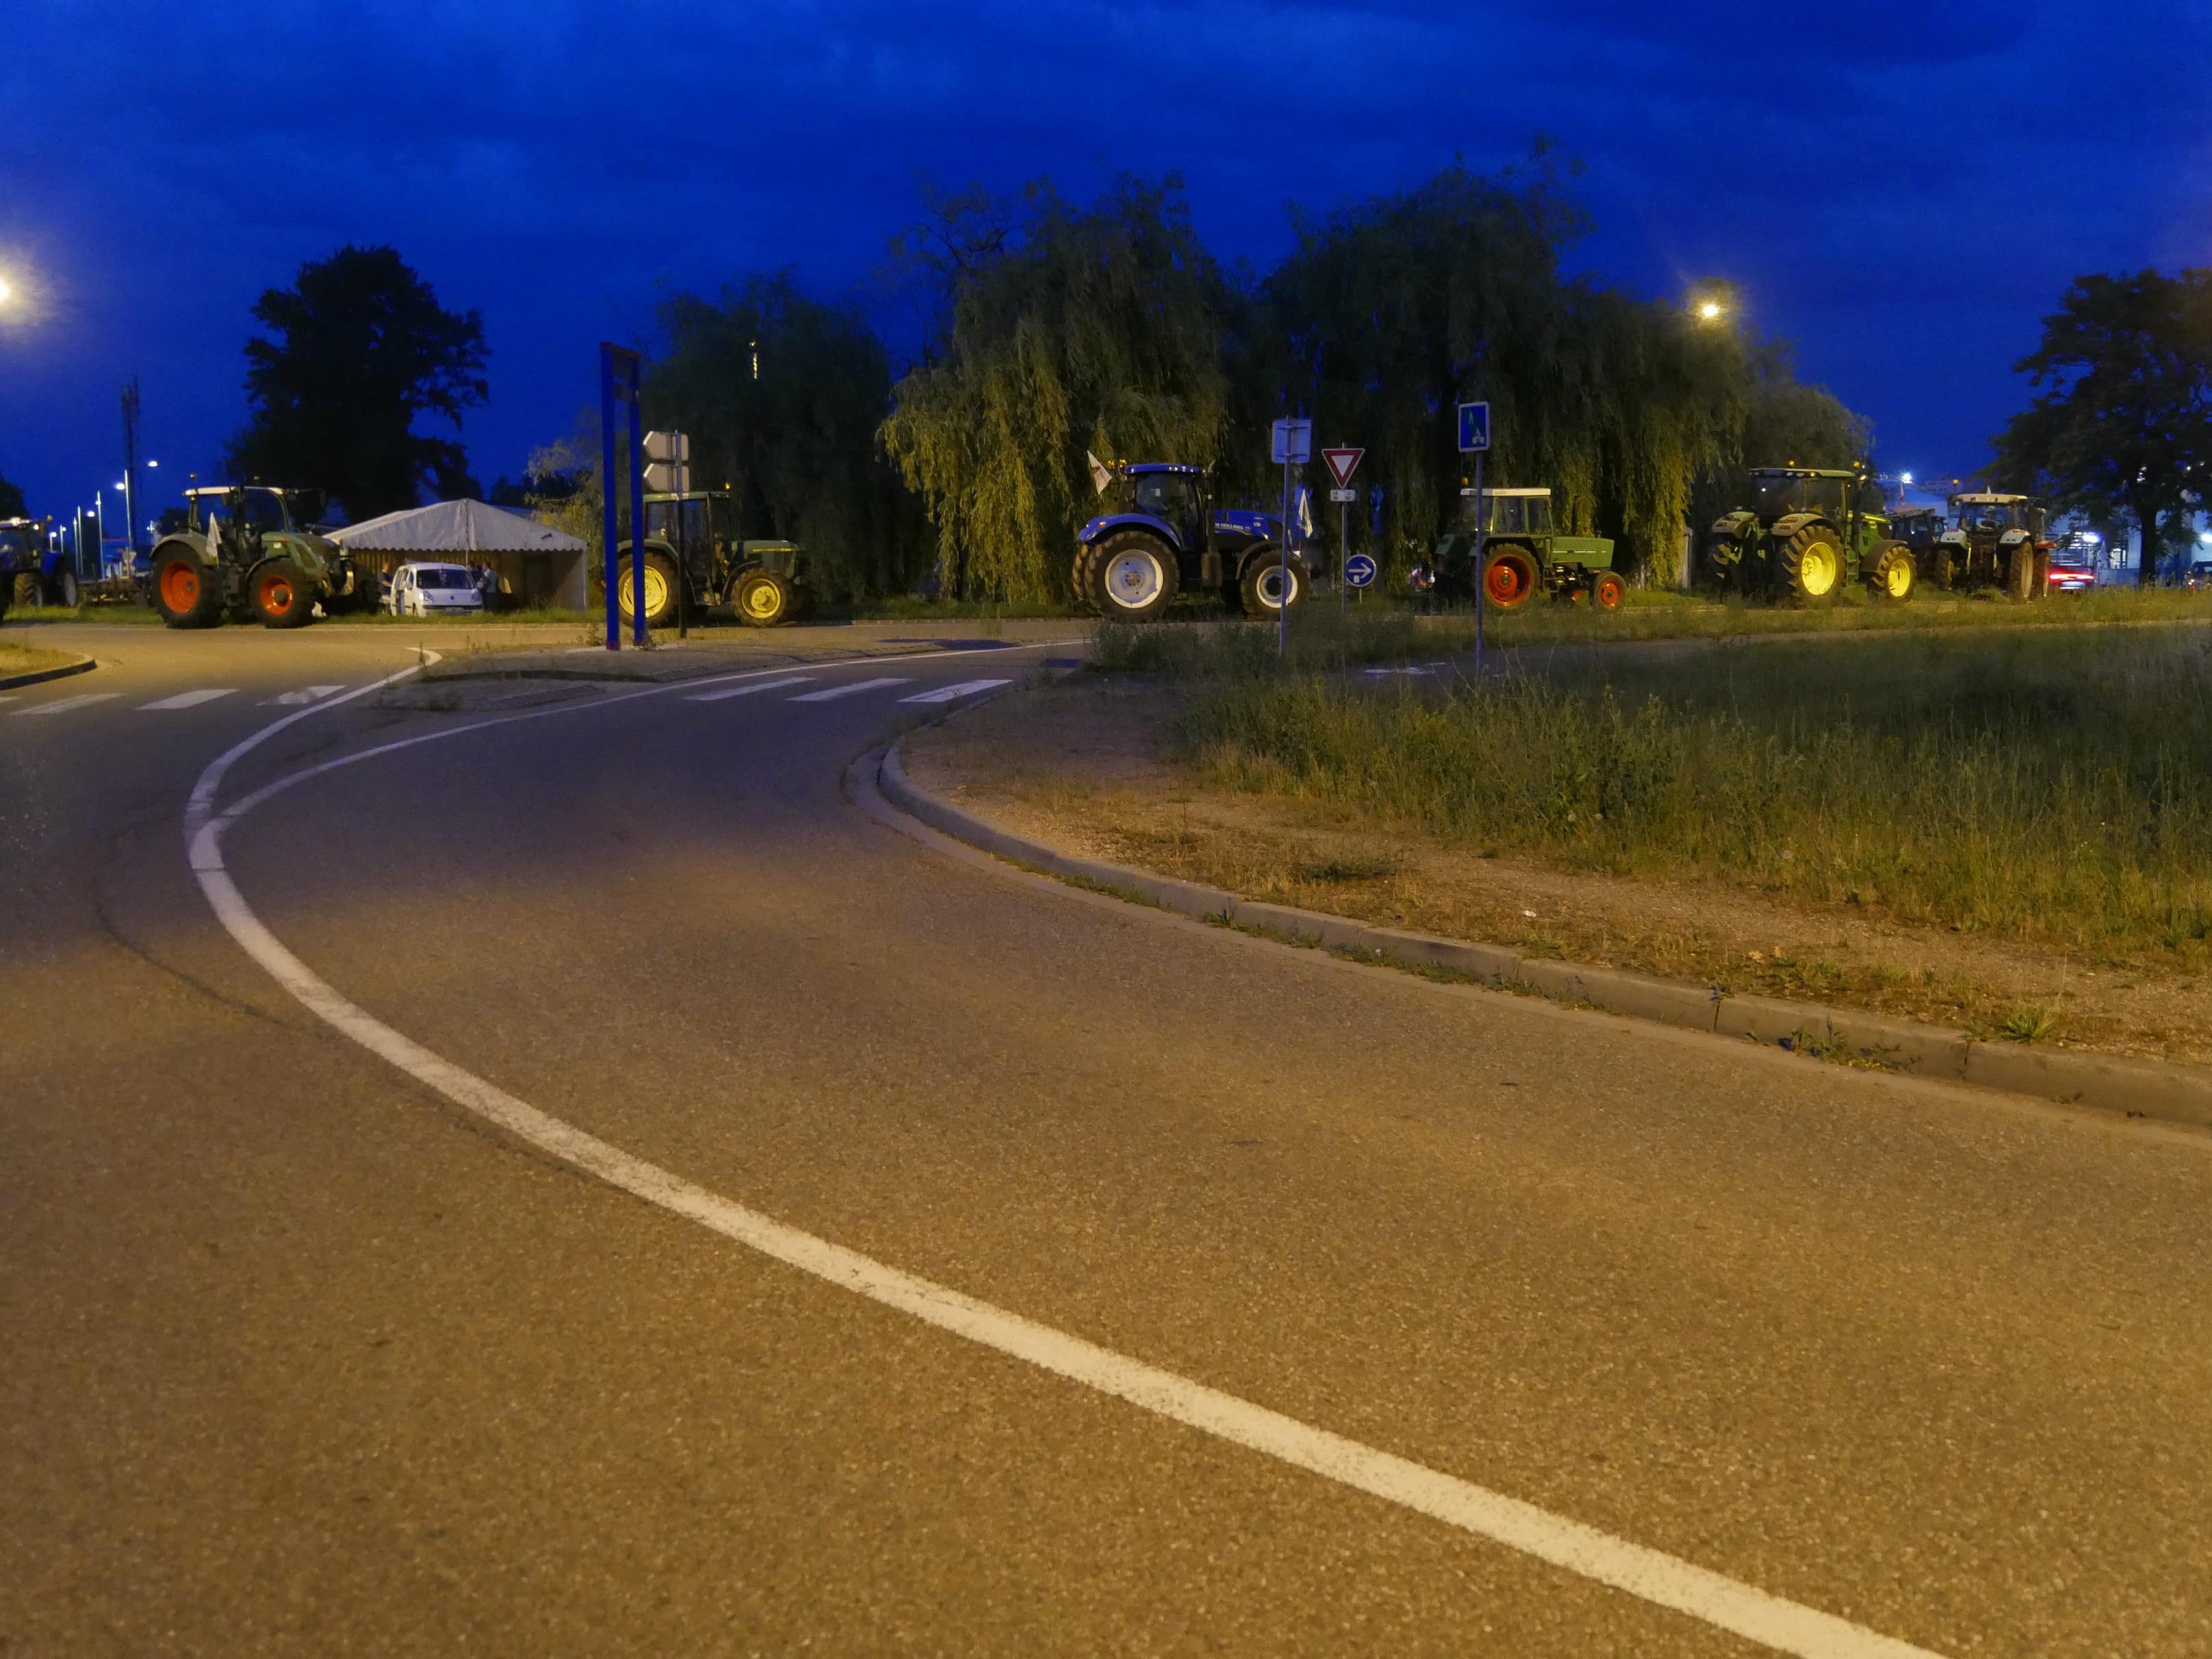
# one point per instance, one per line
(1903, 188)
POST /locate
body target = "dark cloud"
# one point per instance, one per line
(1904, 188)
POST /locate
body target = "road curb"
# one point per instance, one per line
(2162, 1089)
(39, 675)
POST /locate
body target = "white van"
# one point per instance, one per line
(432, 590)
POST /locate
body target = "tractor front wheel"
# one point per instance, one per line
(1892, 574)
(1607, 591)
(1811, 567)
(63, 590)
(1134, 577)
(2019, 572)
(186, 592)
(763, 599)
(1261, 590)
(659, 589)
(25, 589)
(281, 595)
(1510, 578)
(1723, 562)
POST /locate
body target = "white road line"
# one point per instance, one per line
(187, 699)
(306, 694)
(63, 705)
(837, 691)
(1664, 1580)
(954, 693)
(747, 690)
(6, 696)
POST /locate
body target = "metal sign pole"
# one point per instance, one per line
(607, 488)
(682, 547)
(1343, 551)
(1481, 575)
(637, 518)
(1283, 593)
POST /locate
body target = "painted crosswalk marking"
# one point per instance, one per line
(305, 694)
(747, 690)
(188, 699)
(836, 691)
(954, 693)
(63, 705)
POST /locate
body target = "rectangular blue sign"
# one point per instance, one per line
(1474, 428)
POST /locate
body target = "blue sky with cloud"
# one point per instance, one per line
(1903, 189)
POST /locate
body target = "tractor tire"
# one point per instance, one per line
(1810, 567)
(1083, 576)
(1724, 571)
(62, 590)
(660, 590)
(762, 599)
(2019, 573)
(26, 588)
(1260, 590)
(281, 595)
(1608, 592)
(188, 594)
(1135, 577)
(1890, 574)
(1511, 577)
(7, 596)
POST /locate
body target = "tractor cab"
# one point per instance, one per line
(1509, 512)
(22, 544)
(1919, 527)
(1996, 515)
(1836, 494)
(253, 509)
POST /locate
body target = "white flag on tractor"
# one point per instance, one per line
(1101, 474)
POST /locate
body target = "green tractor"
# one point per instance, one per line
(764, 583)
(1995, 541)
(248, 553)
(1521, 557)
(1808, 531)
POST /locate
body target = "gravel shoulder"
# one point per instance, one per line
(1091, 765)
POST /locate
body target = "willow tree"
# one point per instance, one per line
(1390, 311)
(1057, 329)
(781, 396)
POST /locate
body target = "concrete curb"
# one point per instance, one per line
(39, 675)
(2167, 1090)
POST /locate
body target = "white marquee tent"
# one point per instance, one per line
(537, 563)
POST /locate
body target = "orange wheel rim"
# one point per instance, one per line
(1507, 581)
(277, 596)
(180, 587)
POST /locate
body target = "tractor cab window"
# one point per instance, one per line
(260, 509)
(1827, 495)
(665, 520)
(1986, 515)
(14, 541)
(1508, 514)
(1164, 495)
(1775, 494)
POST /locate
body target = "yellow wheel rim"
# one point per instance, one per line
(762, 603)
(1817, 569)
(656, 590)
(1897, 579)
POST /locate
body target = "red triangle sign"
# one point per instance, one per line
(1340, 462)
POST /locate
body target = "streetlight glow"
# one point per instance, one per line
(1908, 478)
(1710, 310)
(6, 293)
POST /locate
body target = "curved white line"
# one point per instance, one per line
(1651, 1574)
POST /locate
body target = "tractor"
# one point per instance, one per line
(764, 583)
(1521, 557)
(1162, 534)
(23, 553)
(246, 553)
(1808, 531)
(1995, 541)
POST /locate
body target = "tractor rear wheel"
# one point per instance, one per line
(1083, 577)
(659, 589)
(186, 592)
(280, 595)
(25, 589)
(1811, 566)
(1607, 591)
(1135, 577)
(63, 590)
(1724, 570)
(1891, 572)
(762, 598)
(1511, 577)
(1260, 591)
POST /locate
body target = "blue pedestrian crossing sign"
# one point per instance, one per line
(1474, 428)
(1359, 570)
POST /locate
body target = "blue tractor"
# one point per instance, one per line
(1162, 534)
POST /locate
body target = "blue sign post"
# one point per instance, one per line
(1292, 447)
(619, 371)
(1474, 440)
(1359, 570)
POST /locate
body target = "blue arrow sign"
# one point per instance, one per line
(1474, 428)
(1359, 571)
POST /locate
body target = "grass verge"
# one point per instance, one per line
(32, 659)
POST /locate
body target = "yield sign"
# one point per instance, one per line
(1342, 462)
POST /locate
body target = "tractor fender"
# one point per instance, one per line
(180, 541)
(1098, 529)
(1270, 553)
(1736, 526)
(1790, 523)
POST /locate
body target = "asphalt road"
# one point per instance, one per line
(303, 1357)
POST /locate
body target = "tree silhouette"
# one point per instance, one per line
(11, 500)
(362, 351)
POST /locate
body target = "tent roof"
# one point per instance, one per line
(464, 526)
